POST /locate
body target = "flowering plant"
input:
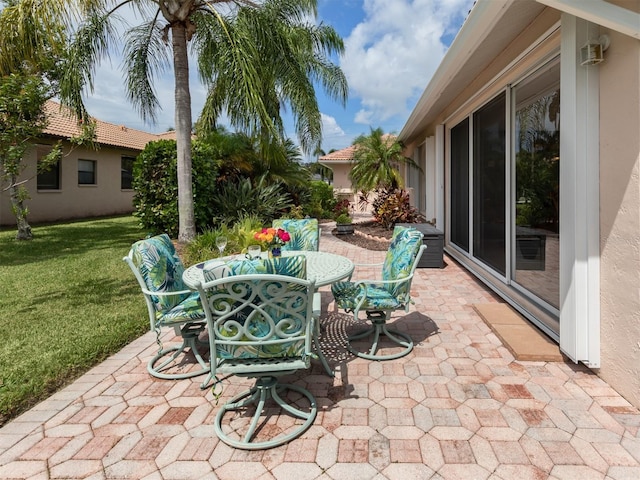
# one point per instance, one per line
(273, 237)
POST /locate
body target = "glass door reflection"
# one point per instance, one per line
(535, 265)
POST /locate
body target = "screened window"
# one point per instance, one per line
(86, 172)
(126, 173)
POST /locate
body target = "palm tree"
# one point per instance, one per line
(255, 58)
(376, 161)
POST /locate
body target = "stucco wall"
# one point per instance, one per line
(341, 176)
(73, 200)
(620, 216)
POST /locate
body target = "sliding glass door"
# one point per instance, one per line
(489, 184)
(460, 185)
(504, 187)
(537, 185)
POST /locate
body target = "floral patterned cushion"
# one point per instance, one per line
(348, 295)
(190, 309)
(161, 269)
(294, 266)
(404, 247)
(304, 233)
(251, 326)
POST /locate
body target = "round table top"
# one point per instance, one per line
(322, 267)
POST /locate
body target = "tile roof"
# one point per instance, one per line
(339, 155)
(346, 154)
(63, 124)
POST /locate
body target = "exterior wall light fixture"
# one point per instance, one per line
(593, 51)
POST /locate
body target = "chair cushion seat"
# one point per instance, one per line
(348, 295)
(189, 309)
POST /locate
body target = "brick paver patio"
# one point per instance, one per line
(457, 407)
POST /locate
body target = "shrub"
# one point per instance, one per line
(393, 206)
(239, 237)
(156, 186)
(238, 199)
(343, 218)
(321, 200)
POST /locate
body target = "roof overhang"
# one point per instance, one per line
(490, 26)
(602, 13)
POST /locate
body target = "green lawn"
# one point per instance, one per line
(67, 301)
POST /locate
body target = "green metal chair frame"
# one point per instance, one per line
(305, 233)
(260, 326)
(379, 298)
(158, 270)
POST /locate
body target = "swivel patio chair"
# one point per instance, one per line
(379, 298)
(158, 269)
(260, 326)
(305, 233)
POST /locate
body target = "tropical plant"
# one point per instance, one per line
(234, 200)
(341, 207)
(376, 161)
(394, 206)
(253, 57)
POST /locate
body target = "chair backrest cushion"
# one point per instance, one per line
(401, 255)
(304, 233)
(161, 269)
(255, 318)
(294, 266)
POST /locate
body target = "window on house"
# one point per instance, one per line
(86, 172)
(126, 173)
(48, 179)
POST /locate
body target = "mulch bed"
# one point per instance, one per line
(367, 235)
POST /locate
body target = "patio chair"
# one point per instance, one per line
(305, 233)
(261, 326)
(170, 303)
(379, 298)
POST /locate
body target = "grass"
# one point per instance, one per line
(67, 302)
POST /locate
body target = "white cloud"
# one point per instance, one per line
(109, 102)
(391, 55)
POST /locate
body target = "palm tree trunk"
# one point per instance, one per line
(186, 216)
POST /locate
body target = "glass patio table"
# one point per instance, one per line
(322, 267)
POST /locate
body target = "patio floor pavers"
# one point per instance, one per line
(458, 407)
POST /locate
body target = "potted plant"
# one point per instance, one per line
(344, 224)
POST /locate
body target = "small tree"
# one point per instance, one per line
(22, 119)
(376, 162)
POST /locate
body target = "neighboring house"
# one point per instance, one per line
(86, 182)
(533, 149)
(339, 161)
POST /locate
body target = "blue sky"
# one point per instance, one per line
(392, 48)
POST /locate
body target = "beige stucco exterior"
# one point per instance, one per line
(106, 197)
(618, 215)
